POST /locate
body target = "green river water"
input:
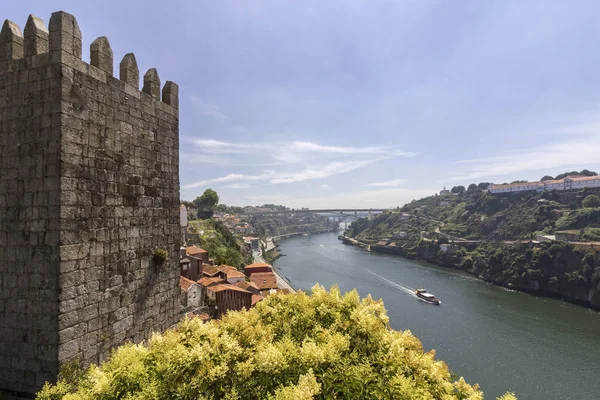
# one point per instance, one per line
(537, 347)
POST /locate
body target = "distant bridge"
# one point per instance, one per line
(355, 211)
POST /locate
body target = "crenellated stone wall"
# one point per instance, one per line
(89, 188)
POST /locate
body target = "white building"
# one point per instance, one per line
(568, 183)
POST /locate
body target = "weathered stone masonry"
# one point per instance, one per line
(89, 187)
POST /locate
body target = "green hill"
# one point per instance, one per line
(477, 215)
(494, 238)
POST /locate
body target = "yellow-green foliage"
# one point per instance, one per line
(289, 347)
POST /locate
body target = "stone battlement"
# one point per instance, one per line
(61, 43)
(89, 189)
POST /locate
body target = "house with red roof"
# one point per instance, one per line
(229, 297)
(230, 274)
(257, 267)
(249, 286)
(264, 280)
(197, 257)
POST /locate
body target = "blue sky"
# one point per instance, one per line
(362, 103)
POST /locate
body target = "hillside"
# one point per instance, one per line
(283, 224)
(495, 237)
(477, 215)
(221, 244)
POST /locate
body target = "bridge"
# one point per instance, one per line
(355, 211)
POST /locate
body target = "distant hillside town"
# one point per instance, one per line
(567, 183)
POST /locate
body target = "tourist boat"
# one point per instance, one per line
(428, 297)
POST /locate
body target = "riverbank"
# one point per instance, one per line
(501, 339)
(282, 282)
(490, 268)
(271, 253)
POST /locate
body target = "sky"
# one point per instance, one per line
(361, 103)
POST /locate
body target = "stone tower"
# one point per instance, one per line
(89, 189)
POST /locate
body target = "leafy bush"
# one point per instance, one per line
(591, 201)
(159, 256)
(295, 346)
(578, 219)
(592, 234)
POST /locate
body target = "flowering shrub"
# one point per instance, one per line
(290, 346)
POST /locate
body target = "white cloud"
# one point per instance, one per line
(229, 178)
(280, 150)
(392, 183)
(272, 177)
(238, 186)
(205, 107)
(324, 186)
(580, 150)
(379, 198)
(317, 148)
(330, 169)
(268, 197)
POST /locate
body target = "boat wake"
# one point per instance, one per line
(405, 289)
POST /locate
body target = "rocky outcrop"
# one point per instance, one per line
(555, 270)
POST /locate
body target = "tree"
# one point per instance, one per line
(519, 181)
(591, 201)
(472, 187)
(586, 172)
(565, 174)
(207, 201)
(483, 185)
(288, 347)
(458, 189)
(547, 178)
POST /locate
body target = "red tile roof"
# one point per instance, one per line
(234, 273)
(264, 280)
(257, 265)
(246, 285)
(206, 282)
(256, 298)
(230, 271)
(225, 286)
(209, 270)
(191, 250)
(185, 283)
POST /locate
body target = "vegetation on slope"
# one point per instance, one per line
(295, 346)
(221, 244)
(491, 224)
(479, 215)
(283, 224)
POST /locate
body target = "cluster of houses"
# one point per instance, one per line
(209, 291)
(568, 183)
(236, 224)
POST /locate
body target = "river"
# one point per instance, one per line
(537, 347)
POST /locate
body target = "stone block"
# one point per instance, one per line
(11, 42)
(88, 185)
(102, 55)
(36, 37)
(65, 35)
(129, 71)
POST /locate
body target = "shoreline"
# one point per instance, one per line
(282, 281)
(540, 293)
